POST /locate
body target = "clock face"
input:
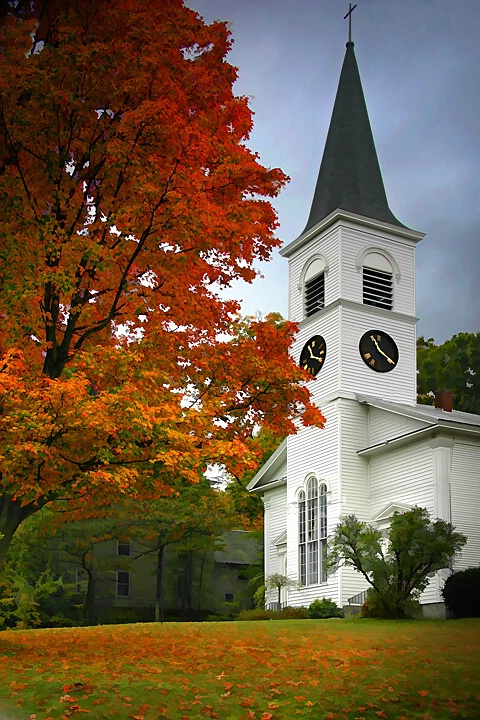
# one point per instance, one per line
(313, 355)
(378, 351)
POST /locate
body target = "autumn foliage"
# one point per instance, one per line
(129, 200)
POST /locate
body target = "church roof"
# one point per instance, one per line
(350, 177)
(426, 413)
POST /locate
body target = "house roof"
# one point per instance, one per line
(350, 177)
(239, 548)
(437, 422)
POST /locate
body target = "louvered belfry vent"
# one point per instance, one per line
(377, 288)
(314, 294)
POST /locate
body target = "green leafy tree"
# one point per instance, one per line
(277, 582)
(73, 544)
(454, 366)
(28, 580)
(397, 567)
(191, 516)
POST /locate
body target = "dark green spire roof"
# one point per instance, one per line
(350, 177)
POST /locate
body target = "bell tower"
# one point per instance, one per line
(352, 270)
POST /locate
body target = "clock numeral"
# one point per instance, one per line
(372, 362)
(367, 356)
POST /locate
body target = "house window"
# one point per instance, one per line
(377, 288)
(229, 597)
(123, 583)
(312, 507)
(314, 294)
(123, 548)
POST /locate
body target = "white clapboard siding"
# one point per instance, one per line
(275, 523)
(326, 323)
(383, 425)
(399, 385)
(355, 241)
(353, 435)
(465, 499)
(402, 475)
(328, 246)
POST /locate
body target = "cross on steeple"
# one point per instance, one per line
(349, 15)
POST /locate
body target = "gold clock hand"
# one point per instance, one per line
(381, 351)
(314, 357)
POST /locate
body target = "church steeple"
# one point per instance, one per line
(350, 177)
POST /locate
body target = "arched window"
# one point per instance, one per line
(313, 281)
(302, 575)
(312, 517)
(377, 280)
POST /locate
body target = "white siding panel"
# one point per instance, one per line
(465, 498)
(275, 517)
(354, 241)
(398, 385)
(405, 475)
(327, 324)
(402, 475)
(329, 246)
(383, 425)
(353, 468)
(312, 451)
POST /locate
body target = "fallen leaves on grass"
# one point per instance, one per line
(257, 671)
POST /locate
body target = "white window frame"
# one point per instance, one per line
(124, 543)
(379, 260)
(316, 267)
(312, 532)
(122, 583)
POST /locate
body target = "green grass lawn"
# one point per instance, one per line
(272, 670)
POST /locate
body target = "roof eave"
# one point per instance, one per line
(339, 215)
(272, 465)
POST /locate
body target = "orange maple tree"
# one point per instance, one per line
(129, 200)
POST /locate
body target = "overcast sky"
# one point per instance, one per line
(419, 61)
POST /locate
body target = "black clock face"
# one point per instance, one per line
(313, 355)
(378, 351)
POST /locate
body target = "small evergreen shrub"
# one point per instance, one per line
(382, 607)
(256, 614)
(288, 613)
(462, 593)
(292, 613)
(324, 608)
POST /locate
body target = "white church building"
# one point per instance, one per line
(352, 291)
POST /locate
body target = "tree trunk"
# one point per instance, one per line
(12, 514)
(89, 606)
(159, 585)
(189, 585)
(200, 581)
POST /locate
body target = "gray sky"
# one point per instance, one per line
(419, 61)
